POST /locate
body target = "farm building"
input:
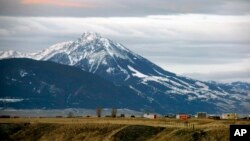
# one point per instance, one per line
(243, 116)
(214, 117)
(150, 116)
(201, 115)
(182, 116)
(229, 116)
(170, 116)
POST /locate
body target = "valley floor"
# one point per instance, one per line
(115, 129)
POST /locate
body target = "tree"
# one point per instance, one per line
(113, 112)
(98, 112)
(70, 115)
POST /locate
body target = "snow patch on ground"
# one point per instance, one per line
(10, 100)
(204, 86)
(158, 72)
(23, 73)
(110, 70)
(150, 99)
(137, 73)
(137, 91)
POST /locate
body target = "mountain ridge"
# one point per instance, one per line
(114, 62)
(27, 83)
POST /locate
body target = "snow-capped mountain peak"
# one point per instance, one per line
(89, 44)
(96, 51)
(89, 36)
(12, 54)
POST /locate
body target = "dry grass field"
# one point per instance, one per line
(115, 129)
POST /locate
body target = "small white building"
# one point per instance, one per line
(229, 116)
(150, 116)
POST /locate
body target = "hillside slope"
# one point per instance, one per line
(27, 83)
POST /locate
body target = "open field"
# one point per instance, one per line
(115, 129)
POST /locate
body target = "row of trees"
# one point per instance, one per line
(99, 112)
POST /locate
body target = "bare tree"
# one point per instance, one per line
(98, 112)
(70, 115)
(113, 112)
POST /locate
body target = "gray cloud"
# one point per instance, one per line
(227, 76)
(195, 54)
(111, 8)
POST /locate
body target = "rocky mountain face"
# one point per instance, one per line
(166, 91)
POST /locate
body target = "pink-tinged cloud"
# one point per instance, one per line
(61, 3)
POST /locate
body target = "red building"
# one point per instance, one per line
(182, 116)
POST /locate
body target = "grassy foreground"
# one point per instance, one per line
(115, 129)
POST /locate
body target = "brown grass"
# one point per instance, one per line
(115, 129)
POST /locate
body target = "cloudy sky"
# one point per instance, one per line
(203, 39)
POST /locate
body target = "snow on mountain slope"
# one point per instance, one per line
(49, 52)
(112, 61)
(12, 54)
